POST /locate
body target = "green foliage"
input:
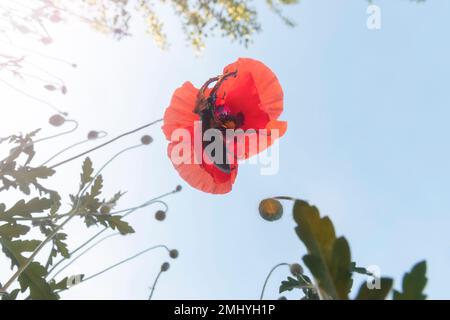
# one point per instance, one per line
(302, 282)
(290, 284)
(33, 278)
(328, 257)
(234, 19)
(329, 261)
(365, 293)
(414, 283)
(25, 209)
(42, 213)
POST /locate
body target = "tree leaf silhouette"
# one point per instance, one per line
(413, 284)
(365, 293)
(328, 257)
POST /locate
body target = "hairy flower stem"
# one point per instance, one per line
(22, 268)
(268, 276)
(33, 143)
(129, 211)
(126, 260)
(286, 198)
(71, 214)
(154, 284)
(106, 143)
(122, 262)
(82, 253)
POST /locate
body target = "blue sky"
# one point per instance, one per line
(367, 143)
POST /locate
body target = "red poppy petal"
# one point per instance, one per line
(243, 98)
(253, 143)
(266, 82)
(205, 177)
(180, 113)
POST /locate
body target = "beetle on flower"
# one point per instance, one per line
(237, 118)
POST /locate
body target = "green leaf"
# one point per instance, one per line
(25, 209)
(116, 222)
(292, 283)
(90, 201)
(97, 186)
(26, 176)
(360, 270)
(33, 277)
(86, 173)
(111, 203)
(56, 202)
(375, 294)
(89, 220)
(414, 283)
(13, 230)
(14, 249)
(11, 296)
(61, 246)
(328, 258)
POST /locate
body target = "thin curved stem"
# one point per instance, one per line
(39, 54)
(122, 262)
(114, 213)
(286, 198)
(59, 134)
(84, 252)
(72, 213)
(77, 249)
(166, 207)
(106, 143)
(70, 147)
(130, 211)
(45, 139)
(268, 276)
(33, 97)
(64, 150)
(154, 284)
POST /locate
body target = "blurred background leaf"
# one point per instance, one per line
(366, 293)
(413, 284)
(328, 257)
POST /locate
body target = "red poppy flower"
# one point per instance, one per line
(246, 96)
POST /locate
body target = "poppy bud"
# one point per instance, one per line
(56, 120)
(160, 215)
(165, 266)
(270, 209)
(178, 188)
(105, 210)
(146, 140)
(173, 254)
(296, 269)
(92, 135)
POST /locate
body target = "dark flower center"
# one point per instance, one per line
(226, 119)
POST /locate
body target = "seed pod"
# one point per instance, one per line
(174, 253)
(105, 210)
(160, 215)
(165, 266)
(146, 140)
(56, 120)
(92, 135)
(296, 269)
(270, 209)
